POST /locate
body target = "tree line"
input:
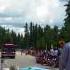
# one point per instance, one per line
(10, 36)
(40, 38)
(37, 36)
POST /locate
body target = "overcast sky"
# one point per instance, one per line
(14, 13)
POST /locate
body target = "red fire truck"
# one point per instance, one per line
(8, 51)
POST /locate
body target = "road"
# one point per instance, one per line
(22, 61)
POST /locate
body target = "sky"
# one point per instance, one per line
(15, 13)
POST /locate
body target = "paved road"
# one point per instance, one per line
(22, 61)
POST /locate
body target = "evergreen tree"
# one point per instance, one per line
(47, 36)
(67, 23)
(35, 29)
(26, 37)
(31, 35)
(55, 35)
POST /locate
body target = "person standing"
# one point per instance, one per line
(60, 50)
(65, 57)
(52, 53)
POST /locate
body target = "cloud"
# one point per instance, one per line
(17, 22)
(64, 0)
(17, 12)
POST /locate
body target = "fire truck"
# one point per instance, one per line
(8, 51)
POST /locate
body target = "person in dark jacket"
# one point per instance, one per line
(65, 57)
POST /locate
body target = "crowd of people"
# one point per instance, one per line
(56, 57)
(48, 57)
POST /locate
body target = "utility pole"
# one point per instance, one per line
(2, 60)
(2, 64)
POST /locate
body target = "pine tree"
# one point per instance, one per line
(67, 22)
(31, 35)
(26, 37)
